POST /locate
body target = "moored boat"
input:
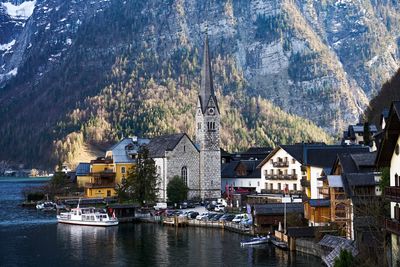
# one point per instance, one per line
(279, 243)
(87, 216)
(255, 241)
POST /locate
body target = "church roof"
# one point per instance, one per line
(206, 86)
(160, 144)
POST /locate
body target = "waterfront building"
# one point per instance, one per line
(389, 156)
(197, 163)
(318, 160)
(175, 155)
(100, 177)
(208, 132)
(82, 174)
(281, 170)
(353, 187)
(241, 174)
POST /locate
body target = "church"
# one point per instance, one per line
(197, 163)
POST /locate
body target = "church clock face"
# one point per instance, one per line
(211, 111)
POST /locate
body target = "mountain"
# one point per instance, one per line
(78, 73)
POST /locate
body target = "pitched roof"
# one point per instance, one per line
(278, 208)
(336, 243)
(316, 154)
(319, 202)
(360, 179)
(391, 134)
(228, 170)
(364, 159)
(122, 151)
(83, 169)
(335, 181)
(159, 145)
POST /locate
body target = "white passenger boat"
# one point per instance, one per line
(87, 216)
(255, 241)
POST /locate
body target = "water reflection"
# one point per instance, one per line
(86, 243)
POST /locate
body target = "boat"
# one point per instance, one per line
(87, 216)
(279, 243)
(255, 241)
(46, 206)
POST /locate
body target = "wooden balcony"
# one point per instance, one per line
(281, 176)
(276, 191)
(392, 226)
(103, 175)
(280, 164)
(393, 193)
(100, 185)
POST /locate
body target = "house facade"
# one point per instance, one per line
(389, 157)
(241, 175)
(281, 171)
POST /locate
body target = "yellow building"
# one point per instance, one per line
(100, 177)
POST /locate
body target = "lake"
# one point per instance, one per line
(32, 238)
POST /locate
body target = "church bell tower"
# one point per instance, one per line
(207, 132)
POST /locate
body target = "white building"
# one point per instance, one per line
(389, 156)
(281, 170)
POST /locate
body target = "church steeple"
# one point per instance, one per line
(206, 87)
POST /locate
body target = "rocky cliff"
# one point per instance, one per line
(62, 63)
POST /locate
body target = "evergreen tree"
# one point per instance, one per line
(367, 135)
(177, 190)
(142, 179)
(345, 259)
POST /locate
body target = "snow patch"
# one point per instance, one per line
(7, 47)
(68, 41)
(22, 11)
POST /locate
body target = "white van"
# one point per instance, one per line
(160, 206)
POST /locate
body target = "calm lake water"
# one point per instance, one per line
(31, 238)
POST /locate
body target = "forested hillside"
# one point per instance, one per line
(81, 74)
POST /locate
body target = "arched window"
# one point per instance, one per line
(184, 174)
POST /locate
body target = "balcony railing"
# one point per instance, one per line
(393, 193)
(103, 174)
(280, 163)
(281, 176)
(99, 185)
(392, 226)
(276, 191)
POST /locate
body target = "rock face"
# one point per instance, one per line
(321, 60)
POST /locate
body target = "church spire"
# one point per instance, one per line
(207, 87)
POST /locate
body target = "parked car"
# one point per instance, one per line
(201, 217)
(190, 204)
(220, 208)
(227, 217)
(238, 218)
(216, 217)
(160, 206)
(210, 207)
(182, 205)
(170, 213)
(192, 214)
